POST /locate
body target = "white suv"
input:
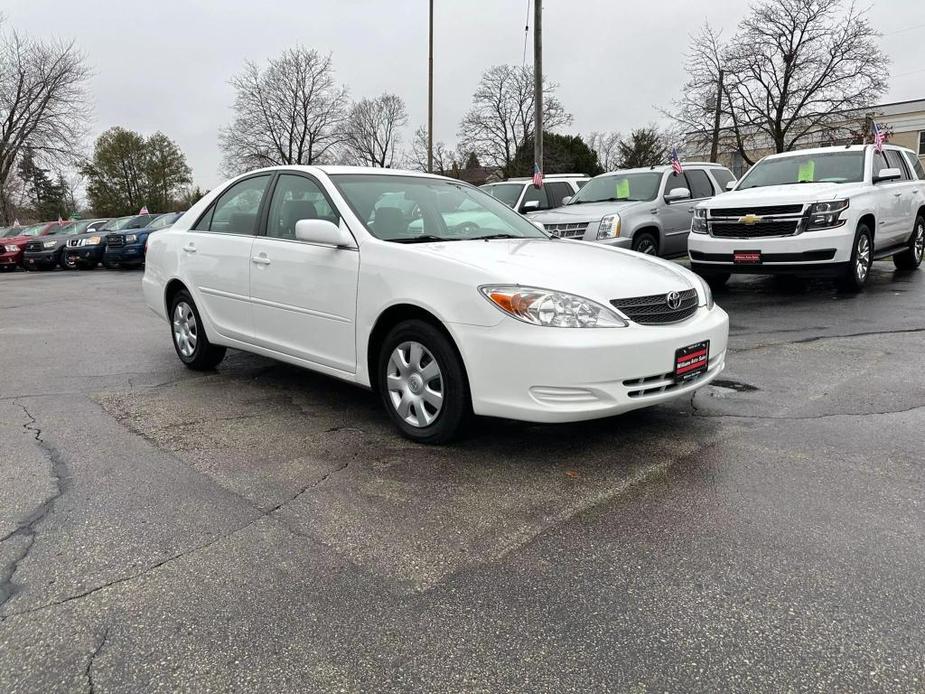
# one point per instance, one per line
(830, 211)
(521, 195)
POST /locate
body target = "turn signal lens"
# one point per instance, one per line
(550, 308)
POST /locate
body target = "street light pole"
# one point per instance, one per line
(538, 82)
(430, 92)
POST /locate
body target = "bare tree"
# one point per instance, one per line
(416, 158)
(501, 117)
(606, 146)
(43, 105)
(371, 136)
(289, 112)
(793, 71)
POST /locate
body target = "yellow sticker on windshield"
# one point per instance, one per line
(623, 189)
(807, 172)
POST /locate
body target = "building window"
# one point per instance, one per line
(922, 144)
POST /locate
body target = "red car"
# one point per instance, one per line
(12, 246)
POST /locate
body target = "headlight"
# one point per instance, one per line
(707, 294)
(49, 244)
(609, 227)
(11, 248)
(825, 215)
(699, 221)
(129, 238)
(551, 309)
(91, 241)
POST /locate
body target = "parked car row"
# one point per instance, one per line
(82, 244)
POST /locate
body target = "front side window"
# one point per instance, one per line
(895, 160)
(619, 187)
(236, 210)
(722, 176)
(296, 198)
(408, 209)
(556, 191)
(538, 195)
(700, 185)
(675, 180)
(508, 193)
(825, 167)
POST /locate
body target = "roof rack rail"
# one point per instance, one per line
(545, 176)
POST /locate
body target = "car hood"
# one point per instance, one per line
(591, 270)
(776, 195)
(586, 212)
(17, 240)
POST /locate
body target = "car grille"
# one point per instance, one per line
(654, 310)
(760, 211)
(735, 230)
(115, 241)
(660, 383)
(567, 231)
(34, 246)
(73, 243)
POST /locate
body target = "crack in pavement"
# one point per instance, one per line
(698, 412)
(27, 527)
(818, 338)
(311, 485)
(88, 671)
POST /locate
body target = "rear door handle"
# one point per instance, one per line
(260, 260)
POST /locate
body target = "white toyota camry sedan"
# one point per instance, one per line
(432, 293)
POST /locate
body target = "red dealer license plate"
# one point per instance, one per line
(746, 257)
(691, 361)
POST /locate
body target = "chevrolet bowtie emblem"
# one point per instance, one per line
(749, 219)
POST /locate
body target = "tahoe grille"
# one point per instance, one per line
(567, 231)
(115, 241)
(654, 310)
(35, 246)
(761, 211)
(734, 230)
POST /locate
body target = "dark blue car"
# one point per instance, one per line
(127, 248)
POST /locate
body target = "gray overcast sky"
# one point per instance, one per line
(165, 65)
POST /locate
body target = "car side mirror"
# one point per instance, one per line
(888, 175)
(566, 200)
(530, 206)
(677, 194)
(323, 232)
(730, 185)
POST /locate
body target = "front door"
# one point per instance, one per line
(675, 217)
(304, 295)
(215, 257)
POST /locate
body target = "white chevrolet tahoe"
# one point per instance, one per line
(829, 211)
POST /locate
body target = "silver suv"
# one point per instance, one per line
(648, 210)
(519, 193)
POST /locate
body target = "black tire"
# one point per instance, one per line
(856, 274)
(716, 280)
(911, 258)
(109, 265)
(85, 265)
(411, 387)
(646, 243)
(67, 264)
(189, 336)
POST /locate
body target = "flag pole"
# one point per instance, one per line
(538, 83)
(430, 92)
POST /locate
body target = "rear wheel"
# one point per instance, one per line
(422, 383)
(189, 335)
(862, 254)
(911, 258)
(645, 243)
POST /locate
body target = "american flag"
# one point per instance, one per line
(537, 176)
(143, 210)
(675, 162)
(879, 136)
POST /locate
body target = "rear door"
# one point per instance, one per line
(304, 295)
(216, 256)
(908, 200)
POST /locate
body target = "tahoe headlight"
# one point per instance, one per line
(91, 241)
(129, 238)
(49, 244)
(609, 227)
(550, 308)
(699, 221)
(11, 248)
(825, 215)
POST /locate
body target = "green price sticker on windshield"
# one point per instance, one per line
(623, 189)
(807, 172)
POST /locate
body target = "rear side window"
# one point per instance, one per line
(236, 210)
(722, 176)
(896, 161)
(700, 185)
(916, 165)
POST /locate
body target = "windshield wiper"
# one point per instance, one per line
(494, 236)
(424, 238)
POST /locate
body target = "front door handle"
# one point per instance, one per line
(897, 195)
(189, 248)
(260, 260)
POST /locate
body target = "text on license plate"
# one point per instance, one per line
(746, 257)
(691, 361)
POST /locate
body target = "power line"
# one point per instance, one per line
(899, 31)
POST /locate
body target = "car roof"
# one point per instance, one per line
(831, 149)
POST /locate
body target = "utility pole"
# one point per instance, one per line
(538, 82)
(430, 92)
(714, 150)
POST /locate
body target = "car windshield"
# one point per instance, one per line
(410, 209)
(619, 187)
(62, 228)
(828, 167)
(31, 231)
(165, 220)
(117, 224)
(505, 192)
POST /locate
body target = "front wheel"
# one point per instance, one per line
(862, 257)
(189, 335)
(422, 383)
(645, 243)
(911, 258)
(110, 265)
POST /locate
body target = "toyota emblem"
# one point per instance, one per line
(673, 299)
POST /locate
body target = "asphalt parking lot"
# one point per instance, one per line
(264, 529)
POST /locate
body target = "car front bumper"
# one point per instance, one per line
(11, 259)
(40, 258)
(86, 254)
(536, 374)
(808, 251)
(125, 254)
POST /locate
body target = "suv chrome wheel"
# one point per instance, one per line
(919, 244)
(415, 384)
(647, 245)
(185, 329)
(862, 258)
